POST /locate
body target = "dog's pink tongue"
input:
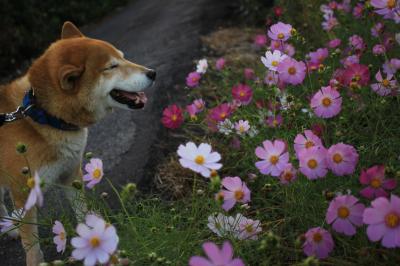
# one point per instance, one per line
(142, 97)
(137, 97)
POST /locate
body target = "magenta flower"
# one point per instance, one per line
(288, 175)
(193, 79)
(271, 78)
(172, 117)
(306, 141)
(260, 40)
(383, 220)
(220, 64)
(345, 214)
(274, 120)
(377, 29)
(200, 104)
(357, 42)
(374, 179)
(291, 71)
(221, 112)
(280, 31)
(249, 73)
(326, 103)
(391, 66)
(313, 163)
(60, 238)
(318, 56)
(334, 43)
(342, 159)
(274, 157)
(94, 172)
(192, 110)
(216, 256)
(385, 86)
(242, 93)
(378, 49)
(356, 75)
(236, 191)
(319, 243)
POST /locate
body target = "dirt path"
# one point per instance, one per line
(160, 34)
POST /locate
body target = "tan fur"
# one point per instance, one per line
(63, 79)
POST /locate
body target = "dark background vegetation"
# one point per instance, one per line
(28, 26)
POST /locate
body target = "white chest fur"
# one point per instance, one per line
(70, 150)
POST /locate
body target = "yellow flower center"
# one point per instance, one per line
(95, 242)
(392, 220)
(174, 118)
(287, 176)
(62, 235)
(376, 183)
(281, 36)
(337, 158)
(220, 196)
(317, 237)
(30, 182)
(343, 212)
(385, 83)
(199, 159)
(274, 63)
(326, 102)
(292, 70)
(249, 228)
(97, 173)
(241, 129)
(274, 159)
(309, 144)
(239, 195)
(241, 94)
(357, 77)
(222, 115)
(391, 4)
(312, 164)
(275, 122)
(213, 173)
(218, 225)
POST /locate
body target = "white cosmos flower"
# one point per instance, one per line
(272, 60)
(225, 127)
(35, 195)
(220, 224)
(199, 159)
(202, 66)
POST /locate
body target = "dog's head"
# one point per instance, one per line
(80, 79)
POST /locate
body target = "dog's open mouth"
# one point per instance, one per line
(134, 100)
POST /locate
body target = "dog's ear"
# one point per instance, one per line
(69, 76)
(69, 30)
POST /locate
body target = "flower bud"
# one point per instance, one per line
(77, 184)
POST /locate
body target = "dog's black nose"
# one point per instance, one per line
(151, 74)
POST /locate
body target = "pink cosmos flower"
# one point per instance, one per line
(276, 45)
(272, 60)
(280, 31)
(172, 117)
(358, 10)
(356, 42)
(193, 79)
(386, 8)
(378, 49)
(350, 60)
(221, 112)
(242, 126)
(61, 236)
(326, 103)
(192, 110)
(216, 256)
(274, 120)
(235, 191)
(200, 104)
(274, 157)
(330, 22)
(288, 175)
(356, 75)
(11, 224)
(242, 93)
(260, 40)
(289, 49)
(35, 195)
(334, 43)
(391, 66)
(319, 243)
(383, 220)
(96, 242)
(271, 78)
(313, 162)
(319, 56)
(385, 86)
(220, 64)
(94, 172)
(291, 71)
(247, 228)
(345, 214)
(306, 141)
(342, 159)
(249, 73)
(374, 179)
(377, 29)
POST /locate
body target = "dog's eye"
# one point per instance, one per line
(111, 67)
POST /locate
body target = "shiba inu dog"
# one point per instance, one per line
(74, 84)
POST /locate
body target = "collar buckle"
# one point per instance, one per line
(16, 115)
